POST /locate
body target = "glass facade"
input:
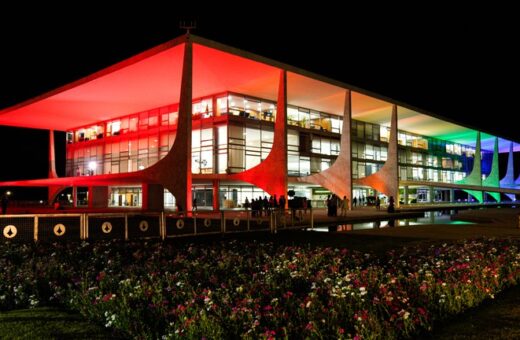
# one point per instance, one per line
(238, 137)
(125, 144)
(127, 196)
(233, 132)
(420, 158)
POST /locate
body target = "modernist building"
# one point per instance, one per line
(193, 117)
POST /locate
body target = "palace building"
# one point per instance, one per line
(193, 118)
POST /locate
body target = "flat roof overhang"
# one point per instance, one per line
(152, 79)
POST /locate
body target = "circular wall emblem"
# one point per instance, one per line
(143, 226)
(207, 222)
(59, 229)
(180, 224)
(236, 221)
(282, 219)
(106, 227)
(10, 231)
(259, 221)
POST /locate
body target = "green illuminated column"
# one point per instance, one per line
(493, 180)
(475, 177)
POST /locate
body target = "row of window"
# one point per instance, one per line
(431, 175)
(311, 119)
(375, 132)
(238, 146)
(362, 169)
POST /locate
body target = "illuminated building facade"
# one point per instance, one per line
(196, 119)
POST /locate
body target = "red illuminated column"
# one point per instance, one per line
(74, 197)
(216, 203)
(97, 197)
(53, 190)
(184, 130)
(152, 197)
(271, 174)
(89, 197)
(52, 156)
(174, 170)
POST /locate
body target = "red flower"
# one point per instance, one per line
(288, 295)
(101, 276)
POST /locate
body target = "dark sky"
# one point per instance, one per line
(462, 65)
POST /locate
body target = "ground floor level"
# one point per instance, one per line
(222, 195)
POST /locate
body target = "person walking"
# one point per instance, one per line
(194, 207)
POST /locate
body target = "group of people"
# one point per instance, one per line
(361, 201)
(264, 205)
(333, 201)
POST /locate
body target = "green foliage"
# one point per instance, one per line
(250, 289)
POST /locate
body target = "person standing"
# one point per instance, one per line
(391, 207)
(194, 204)
(344, 206)
(281, 203)
(378, 203)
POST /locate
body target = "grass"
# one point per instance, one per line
(49, 323)
(494, 319)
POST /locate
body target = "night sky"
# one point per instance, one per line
(457, 64)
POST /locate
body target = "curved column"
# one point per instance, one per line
(493, 179)
(271, 174)
(475, 177)
(53, 190)
(52, 156)
(338, 178)
(174, 170)
(509, 179)
(386, 180)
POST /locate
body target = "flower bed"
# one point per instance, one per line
(257, 290)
